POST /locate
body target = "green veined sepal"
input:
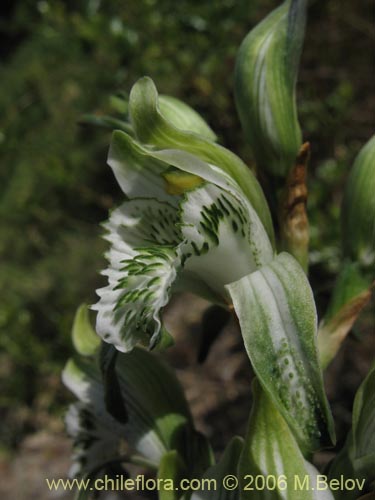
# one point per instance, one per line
(265, 81)
(358, 208)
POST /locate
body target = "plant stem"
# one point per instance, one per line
(294, 224)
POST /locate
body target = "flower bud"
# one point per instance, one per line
(265, 81)
(358, 208)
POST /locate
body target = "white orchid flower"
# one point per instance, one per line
(196, 219)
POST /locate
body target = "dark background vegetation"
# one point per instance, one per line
(61, 59)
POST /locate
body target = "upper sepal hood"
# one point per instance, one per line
(155, 129)
(358, 208)
(265, 81)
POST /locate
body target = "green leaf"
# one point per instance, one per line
(114, 402)
(357, 458)
(358, 208)
(214, 320)
(171, 470)
(350, 283)
(196, 450)
(265, 81)
(277, 315)
(213, 478)
(351, 293)
(119, 102)
(155, 402)
(184, 117)
(270, 450)
(158, 414)
(144, 260)
(152, 128)
(85, 340)
(364, 427)
(106, 122)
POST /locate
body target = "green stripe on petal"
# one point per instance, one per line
(270, 450)
(277, 315)
(144, 260)
(152, 128)
(225, 238)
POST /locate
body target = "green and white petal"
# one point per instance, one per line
(225, 239)
(144, 261)
(152, 128)
(278, 320)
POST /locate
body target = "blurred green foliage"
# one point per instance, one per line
(62, 59)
